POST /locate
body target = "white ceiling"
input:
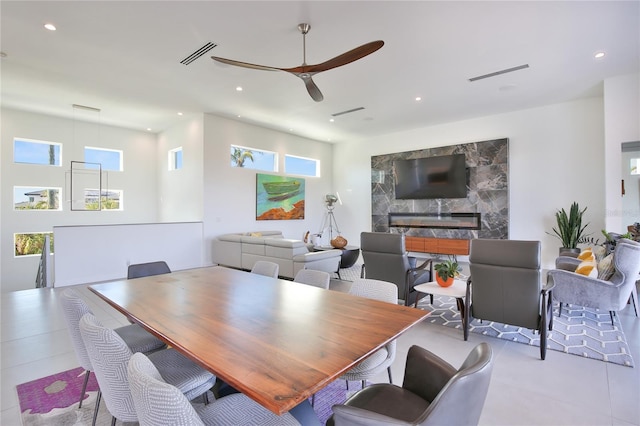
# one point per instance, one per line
(123, 57)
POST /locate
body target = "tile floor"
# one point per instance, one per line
(562, 390)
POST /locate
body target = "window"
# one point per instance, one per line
(251, 158)
(175, 159)
(301, 166)
(111, 159)
(30, 244)
(111, 199)
(36, 198)
(37, 152)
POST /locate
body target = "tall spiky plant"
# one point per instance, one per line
(570, 229)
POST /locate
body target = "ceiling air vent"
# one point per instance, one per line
(347, 111)
(493, 74)
(198, 53)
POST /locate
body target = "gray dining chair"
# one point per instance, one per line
(314, 278)
(382, 358)
(109, 357)
(139, 270)
(433, 393)
(158, 403)
(266, 268)
(136, 338)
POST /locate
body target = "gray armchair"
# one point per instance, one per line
(612, 295)
(385, 258)
(433, 393)
(505, 286)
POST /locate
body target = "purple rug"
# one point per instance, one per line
(54, 400)
(59, 390)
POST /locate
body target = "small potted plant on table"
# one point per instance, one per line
(446, 271)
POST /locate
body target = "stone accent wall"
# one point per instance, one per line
(488, 191)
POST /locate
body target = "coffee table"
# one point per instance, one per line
(458, 290)
(348, 257)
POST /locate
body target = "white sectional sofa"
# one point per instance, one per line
(242, 250)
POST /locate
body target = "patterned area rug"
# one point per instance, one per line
(53, 400)
(579, 331)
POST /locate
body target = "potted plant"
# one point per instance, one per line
(446, 271)
(569, 228)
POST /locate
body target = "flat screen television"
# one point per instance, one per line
(431, 177)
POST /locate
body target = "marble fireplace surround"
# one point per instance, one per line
(488, 192)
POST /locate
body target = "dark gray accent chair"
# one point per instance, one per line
(386, 259)
(612, 295)
(433, 393)
(505, 286)
(148, 269)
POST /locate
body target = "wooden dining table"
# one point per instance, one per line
(276, 341)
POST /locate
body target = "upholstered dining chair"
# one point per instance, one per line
(266, 268)
(382, 358)
(158, 403)
(386, 258)
(433, 393)
(314, 278)
(136, 338)
(505, 286)
(109, 357)
(609, 295)
(148, 269)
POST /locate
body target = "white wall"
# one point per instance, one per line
(555, 158)
(138, 181)
(181, 191)
(230, 192)
(622, 124)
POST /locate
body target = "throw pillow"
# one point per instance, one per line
(587, 255)
(256, 234)
(587, 268)
(599, 252)
(606, 268)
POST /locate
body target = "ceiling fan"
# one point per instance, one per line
(304, 71)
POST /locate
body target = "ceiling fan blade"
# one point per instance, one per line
(313, 90)
(245, 64)
(346, 58)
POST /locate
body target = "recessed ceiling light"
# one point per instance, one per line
(331, 120)
(239, 89)
(148, 129)
(179, 113)
(50, 27)
(418, 98)
(599, 55)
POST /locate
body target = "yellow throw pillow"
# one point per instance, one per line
(256, 234)
(606, 268)
(587, 255)
(587, 268)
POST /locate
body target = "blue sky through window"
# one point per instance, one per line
(300, 166)
(34, 152)
(109, 158)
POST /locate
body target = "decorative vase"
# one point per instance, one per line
(444, 283)
(339, 242)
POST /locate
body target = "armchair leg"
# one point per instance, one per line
(389, 371)
(559, 309)
(634, 300)
(95, 411)
(84, 387)
(611, 314)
